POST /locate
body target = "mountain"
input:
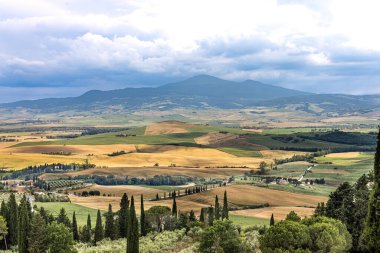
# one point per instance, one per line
(203, 92)
(196, 92)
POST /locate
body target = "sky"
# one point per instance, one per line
(57, 48)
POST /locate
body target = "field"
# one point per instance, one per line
(279, 213)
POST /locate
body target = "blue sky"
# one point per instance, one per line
(57, 48)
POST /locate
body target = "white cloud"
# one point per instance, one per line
(288, 42)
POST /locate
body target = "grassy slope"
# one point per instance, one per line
(81, 212)
(246, 221)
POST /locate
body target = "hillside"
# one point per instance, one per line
(198, 92)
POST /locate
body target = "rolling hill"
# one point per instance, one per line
(201, 92)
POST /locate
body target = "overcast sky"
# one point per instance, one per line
(59, 48)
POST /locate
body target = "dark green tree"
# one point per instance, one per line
(202, 216)
(12, 220)
(174, 208)
(225, 207)
(133, 230)
(271, 223)
(23, 226)
(143, 223)
(37, 240)
(192, 217)
(63, 219)
(371, 234)
(210, 216)
(123, 216)
(99, 233)
(217, 208)
(86, 230)
(109, 227)
(75, 228)
(59, 238)
(293, 216)
(223, 236)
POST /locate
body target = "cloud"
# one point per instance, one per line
(320, 46)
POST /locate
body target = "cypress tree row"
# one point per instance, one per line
(225, 207)
(142, 218)
(99, 235)
(123, 216)
(109, 228)
(12, 220)
(133, 230)
(174, 208)
(23, 226)
(75, 228)
(371, 234)
(271, 220)
(217, 208)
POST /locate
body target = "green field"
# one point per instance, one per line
(81, 212)
(245, 221)
(243, 152)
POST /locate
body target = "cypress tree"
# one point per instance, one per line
(123, 216)
(23, 227)
(142, 218)
(133, 230)
(225, 207)
(37, 239)
(174, 208)
(192, 216)
(202, 215)
(12, 220)
(87, 230)
(62, 218)
(217, 208)
(109, 228)
(210, 216)
(75, 228)
(3, 209)
(99, 234)
(371, 234)
(271, 220)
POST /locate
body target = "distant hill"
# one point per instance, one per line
(197, 92)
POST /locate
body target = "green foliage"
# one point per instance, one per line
(174, 208)
(217, 208)
(143, 222)
(3, 227)
(60, 238)
(223, 236)
(292, 216)
(37, 240)
(63, 219)
(123, 215)
(23, 226)
(271, 223)
(156, 214)
(328, 235)
(225, 207)
(371, 234)
(133, 230)
(75, 228)
(286, 235)
(99, 233)
(109, 231)
(12, 219)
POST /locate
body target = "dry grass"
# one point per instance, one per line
(344, 155)
(279, 212)
(215, 138)
(167, 127)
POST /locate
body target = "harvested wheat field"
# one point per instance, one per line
(243, 195)
(167, 127)
(119, 190)
(215, 138)
(20, 161)
(344, 155)
(279, 212)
